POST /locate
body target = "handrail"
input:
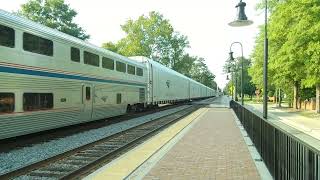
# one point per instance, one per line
(287, 152)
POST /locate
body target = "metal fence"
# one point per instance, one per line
(286, 156)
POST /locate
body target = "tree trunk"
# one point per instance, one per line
(318, 98)
(280, 99)
(276, 97)
(236, 90)
(295, 95)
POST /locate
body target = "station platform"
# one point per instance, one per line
(207, 144)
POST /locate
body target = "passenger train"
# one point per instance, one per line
(50, 79)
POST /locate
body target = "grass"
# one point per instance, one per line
(309, 114)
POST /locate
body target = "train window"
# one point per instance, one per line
(107, 63)
(6, 36)
(75, 54)
(119, 98)
(37, 44)
(131, 69)
(139, 71)
(91, 59)
(37, 101)
(88, 93)
(121, 67)
(6, 102)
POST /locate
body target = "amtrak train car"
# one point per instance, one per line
(168, 86)
(165, 85)
(50, 79)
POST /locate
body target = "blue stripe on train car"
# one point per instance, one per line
(64, 76)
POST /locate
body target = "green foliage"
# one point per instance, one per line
(272, 4)
(294, 45)
(154, 37)
(55, 14)
(199, 71)
(110, 46)
(257, 57)
(248, 87)
(228, 88)
(308, 93)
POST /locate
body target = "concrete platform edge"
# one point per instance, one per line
(118, 169)
(260, 165)
(144, 168)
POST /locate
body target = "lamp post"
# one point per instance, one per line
(232, 69)
(232, 59)
(265, 63)
(243, 21)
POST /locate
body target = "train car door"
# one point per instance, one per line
(151, 82)
(189, 90)
(150, 85)
(87, 100)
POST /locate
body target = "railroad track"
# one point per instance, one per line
(78, 162)
(10, 144)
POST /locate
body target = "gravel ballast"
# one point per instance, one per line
(12, 160)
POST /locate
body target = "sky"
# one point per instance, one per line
(204, 22)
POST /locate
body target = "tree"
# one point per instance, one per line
(195, 68)
(228, 89)
(201, 73)
(54, 14)
(110, 46)
(272, 4)
(154, 37)
(293, 48)
(248, 87)
(308, 31)
(185, 65)
(151, 36)
(257, 57)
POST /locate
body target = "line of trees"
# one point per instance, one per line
(151, 36)
(54, 14)
(294, 50)
(235, 78)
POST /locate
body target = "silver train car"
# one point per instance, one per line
(50, 80)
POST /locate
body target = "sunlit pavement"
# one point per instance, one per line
(310, 126)
(207, 144)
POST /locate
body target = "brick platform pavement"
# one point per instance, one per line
(213, 149)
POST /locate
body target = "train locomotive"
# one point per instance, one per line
(50, 79)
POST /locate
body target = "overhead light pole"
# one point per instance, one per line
(265, 63)
(232, 59)
(243, 21)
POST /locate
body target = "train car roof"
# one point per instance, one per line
(33, 27)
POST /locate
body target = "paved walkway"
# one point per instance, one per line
(213, 149)
(206, 144)
(310, 126)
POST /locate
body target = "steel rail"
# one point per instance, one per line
(81, 160)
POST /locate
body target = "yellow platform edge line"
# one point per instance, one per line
(130, 161)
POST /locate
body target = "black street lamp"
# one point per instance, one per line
(242, 19)
(265, 63)
(232, 59)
